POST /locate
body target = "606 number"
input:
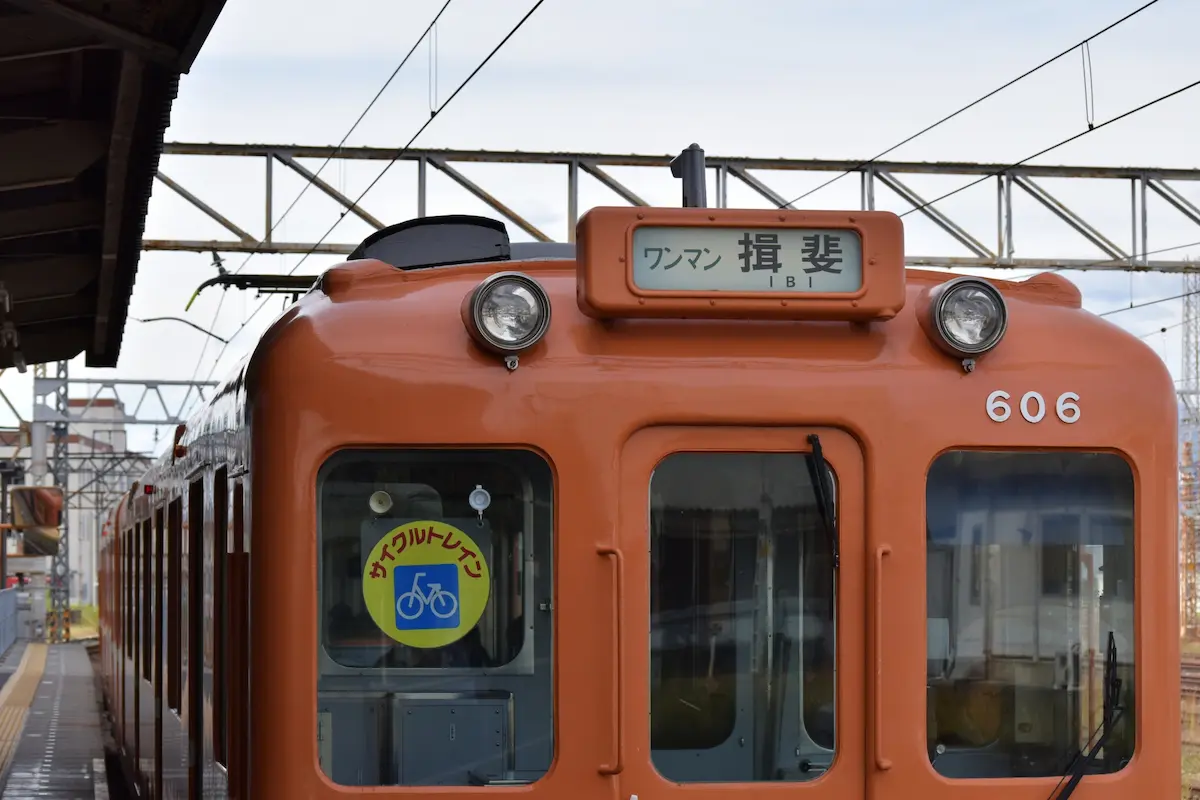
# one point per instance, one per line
(1033, 406)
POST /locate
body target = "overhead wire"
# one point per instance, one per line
(1146, 304)
(310, 181)
(925, 205)
(1089, 107)
(1163, 329)
(1107, 262)
(399, 153)
(976, 102)
(1090, 129)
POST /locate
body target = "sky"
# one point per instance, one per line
(772, 78)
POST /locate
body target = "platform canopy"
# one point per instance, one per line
(86, 88)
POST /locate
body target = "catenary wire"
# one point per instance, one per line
(1162, 329)
(309, 181)
(925, 205)
(976, 102)
(1068, 140)
(1146, 304)
(388, 166)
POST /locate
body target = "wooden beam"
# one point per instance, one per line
(114, 35)
(53, 308)
(25, 277)
(73, 215)
(29, 36)
(35, 107)
(47, 155)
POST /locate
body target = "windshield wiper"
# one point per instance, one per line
(1112, 712)
(818, 474)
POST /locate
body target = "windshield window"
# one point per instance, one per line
(434, 598)
(742, 599)
(1030, 568)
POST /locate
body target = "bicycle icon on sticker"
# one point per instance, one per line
(431, 599)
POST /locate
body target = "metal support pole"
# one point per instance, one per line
(572, 199)
(269, 210)
(59, 629)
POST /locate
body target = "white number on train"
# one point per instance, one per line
(1033, 407)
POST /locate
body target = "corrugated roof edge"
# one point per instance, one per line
(160, 88)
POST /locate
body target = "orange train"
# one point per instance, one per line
(710, 504)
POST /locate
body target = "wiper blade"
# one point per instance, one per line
(818, 473)
(1112, 712)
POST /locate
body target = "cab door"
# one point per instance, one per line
(741, 645)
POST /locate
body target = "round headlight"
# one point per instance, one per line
(970, 315)
(508, 312)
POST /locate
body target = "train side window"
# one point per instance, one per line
(1015, 669)
(116, 591)
(742, 626)
(147, 601)
(220, 612)
(139, 606)
(435, 653)
(237, 577)
(160, 592)
(174, 605)
(194, 615)
(127, 591)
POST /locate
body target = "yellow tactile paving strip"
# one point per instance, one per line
(16, 697)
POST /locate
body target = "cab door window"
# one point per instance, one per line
(742, 599)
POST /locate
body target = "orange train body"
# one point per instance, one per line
(669, 609)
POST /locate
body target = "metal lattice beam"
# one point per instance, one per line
(98, 467)
(88, 458)
(150, 405)
(1189, 434)
(873, 176)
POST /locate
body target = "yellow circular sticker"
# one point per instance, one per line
(426, 584)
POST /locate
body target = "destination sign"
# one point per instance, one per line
(728, 259)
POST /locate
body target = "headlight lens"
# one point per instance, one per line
(970, 315)
(509, 312)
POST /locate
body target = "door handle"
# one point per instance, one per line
(608, 551)
(881, 762)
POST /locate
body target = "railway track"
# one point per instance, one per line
(1189, 690)
(1189, 677)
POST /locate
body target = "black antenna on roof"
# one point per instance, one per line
(689, 165)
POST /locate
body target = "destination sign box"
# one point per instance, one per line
(740, 263)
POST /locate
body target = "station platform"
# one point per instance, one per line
(51, 730)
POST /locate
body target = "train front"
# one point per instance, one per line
(729, 504)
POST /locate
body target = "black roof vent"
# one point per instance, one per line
(437, 242)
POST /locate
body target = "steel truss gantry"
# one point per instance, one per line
(1189, 477)
(91, 472)
(1142, 182)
